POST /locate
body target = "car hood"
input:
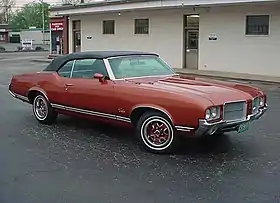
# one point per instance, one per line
(217, 92)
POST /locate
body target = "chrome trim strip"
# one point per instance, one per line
(244, 110)
(12, 93)
(152, 107)
(109, 69)
(112, 76)
(58, 106)
(92, 113)
(152, 76)
(22, 97)
(120, 118)
(184, 128)
(71, 73)
(167, 64)
(124, 56)
(224, 126)
(18, 96)
(38, 90)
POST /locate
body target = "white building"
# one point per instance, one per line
(240, 36)
(36, 35)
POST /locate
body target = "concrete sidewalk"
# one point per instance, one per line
(213, 74)
(230, 75)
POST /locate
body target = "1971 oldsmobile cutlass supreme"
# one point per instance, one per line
(141, 90)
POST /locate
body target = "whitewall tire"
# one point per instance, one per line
(156, 133)
(43, 111)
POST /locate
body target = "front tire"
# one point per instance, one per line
(156, 133)
(43, 111)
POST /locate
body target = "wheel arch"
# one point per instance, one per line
(139, 110)
(32, 92)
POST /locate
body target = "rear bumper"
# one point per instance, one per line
(206, 128)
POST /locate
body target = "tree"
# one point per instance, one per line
(5, 10)
(31, 15)
(66, 2)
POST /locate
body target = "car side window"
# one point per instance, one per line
(86, 68)
(65, 70)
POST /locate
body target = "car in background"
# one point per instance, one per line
(138, 89)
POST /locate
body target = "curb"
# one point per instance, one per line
(238, 79)
(41, 60)
(3, 52)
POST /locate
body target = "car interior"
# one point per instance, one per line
(85, 68)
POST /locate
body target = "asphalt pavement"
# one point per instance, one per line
(81, 161)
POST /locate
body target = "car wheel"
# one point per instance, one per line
(43, 111)
(156, 133)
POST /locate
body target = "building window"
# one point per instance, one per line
(76, 25)
(108, 27)
(257, 25)
(141, 26)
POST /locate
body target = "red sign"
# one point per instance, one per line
(56, 26)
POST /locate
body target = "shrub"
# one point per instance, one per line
(39, 49)
(2, 49)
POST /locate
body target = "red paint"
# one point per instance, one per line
(56, 26)
(183, 98)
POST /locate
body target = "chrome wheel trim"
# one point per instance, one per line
(40, 108)
(145, 135)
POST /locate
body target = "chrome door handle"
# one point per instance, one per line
(68, 85)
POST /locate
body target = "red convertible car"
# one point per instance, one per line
(141, 90)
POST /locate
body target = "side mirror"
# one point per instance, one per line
(99, 76)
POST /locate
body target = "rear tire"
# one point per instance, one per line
(157, 133)
(43, 111)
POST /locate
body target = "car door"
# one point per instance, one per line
(57, 90)
(86, 94)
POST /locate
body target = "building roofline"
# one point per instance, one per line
(96, 4)
(122, 5)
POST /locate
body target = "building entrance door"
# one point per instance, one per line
(77, 41)
(76, 36)
(191, 39)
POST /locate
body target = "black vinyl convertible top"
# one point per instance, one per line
(58, 61)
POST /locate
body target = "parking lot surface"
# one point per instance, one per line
(80, 161)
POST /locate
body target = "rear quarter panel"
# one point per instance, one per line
(22, 84)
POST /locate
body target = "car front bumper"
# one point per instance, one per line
(206, 128)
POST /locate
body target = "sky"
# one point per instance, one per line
(20, 3)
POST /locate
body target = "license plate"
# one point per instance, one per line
(243, 127)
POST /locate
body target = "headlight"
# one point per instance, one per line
(262, 101)
(213, 113)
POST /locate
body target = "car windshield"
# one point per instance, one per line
(139, 66)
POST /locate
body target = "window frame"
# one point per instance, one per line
(107, 77)
(136, 26)
(63, 65)
(248, 24)
(145, 55)
(104, 27)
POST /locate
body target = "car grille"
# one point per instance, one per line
(255, 104)
(235, 111)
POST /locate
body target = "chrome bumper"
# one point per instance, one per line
(206, 128)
